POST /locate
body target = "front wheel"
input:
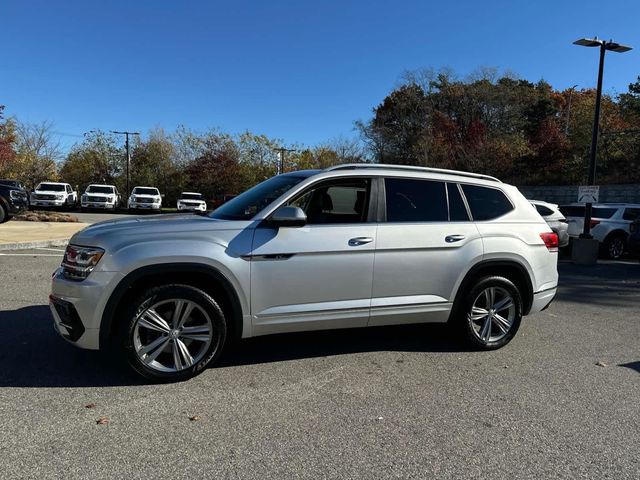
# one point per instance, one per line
(173, 332)
(490, 313)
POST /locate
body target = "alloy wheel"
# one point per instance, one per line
(172, 335)
(492, 314)
(616, 248)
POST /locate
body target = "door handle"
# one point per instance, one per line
(453, 238)
(354, 242)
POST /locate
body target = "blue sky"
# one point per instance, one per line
(296, 70)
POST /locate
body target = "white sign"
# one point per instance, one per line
(588, 193)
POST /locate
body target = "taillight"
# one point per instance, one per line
(550, 240)
(594, 223)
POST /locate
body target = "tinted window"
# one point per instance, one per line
(99, 189)
(600, 212)
(145, 191)
(631, 214)
(342, 201)
(457, 209)
(544, 211)
(486, 203)
(415, 200)
(191, 196)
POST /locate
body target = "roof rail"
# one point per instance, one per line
(355, 166)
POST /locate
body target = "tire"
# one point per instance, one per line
(163, 348)
(3, 215)
(614, 247)
(486, 328)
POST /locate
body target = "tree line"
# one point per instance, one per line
(525, 133)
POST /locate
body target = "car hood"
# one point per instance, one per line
(171, 227)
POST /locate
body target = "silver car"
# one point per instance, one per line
(347, 247)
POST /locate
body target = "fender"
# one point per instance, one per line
(106, 325)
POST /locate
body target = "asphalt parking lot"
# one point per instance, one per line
(560, 401)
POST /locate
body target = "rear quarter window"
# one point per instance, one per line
(486, 203)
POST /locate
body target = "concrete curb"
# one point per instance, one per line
(60, 242)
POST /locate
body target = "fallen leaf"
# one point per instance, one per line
(194, 418)
(102, 421)
(91, 405)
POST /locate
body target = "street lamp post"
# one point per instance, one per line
(126, 143)
(604, 46)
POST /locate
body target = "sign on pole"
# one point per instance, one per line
(588, 193)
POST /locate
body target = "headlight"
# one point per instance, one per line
(17, 195)
(78, 262)
(132, 198)
(59, 197)
(84, 196)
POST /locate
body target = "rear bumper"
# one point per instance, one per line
(542, 300)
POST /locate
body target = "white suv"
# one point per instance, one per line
(145, 198)
(100, 196)
(192, 202)
(53, 194)
(351, 246)
(609, 224)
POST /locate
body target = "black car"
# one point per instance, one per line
(633, 243)
(13, 200)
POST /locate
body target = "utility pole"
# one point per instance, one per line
(282, 151)
(126, 144)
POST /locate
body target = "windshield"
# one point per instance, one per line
(52, 187)
(191, 196)
(145, 191)
(246, 205)
(98, 189)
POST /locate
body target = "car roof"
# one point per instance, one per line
(543, 203)
(142, 186)
(388, 168)
(100, 185)
(192, 193)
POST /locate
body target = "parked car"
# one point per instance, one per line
(191, 201)
(555, 220)
(634, 238)
(16, 183)
(100, 196)
(145, 198)
(351, 246)
(54, 194)
(13, 201)
(609, 224)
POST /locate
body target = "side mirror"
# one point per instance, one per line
(289, 217)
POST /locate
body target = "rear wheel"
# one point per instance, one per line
(173, 332)
(490, 313)
(614, 247)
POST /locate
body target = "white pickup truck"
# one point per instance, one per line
(100, 196)
(54, 194)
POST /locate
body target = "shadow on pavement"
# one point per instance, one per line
(615, 285)
(632, 365)
(33, 355)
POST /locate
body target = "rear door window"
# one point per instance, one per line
(486, 203)
(411, 200)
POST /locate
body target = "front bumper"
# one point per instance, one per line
(190, 208)
(144, 206)
(77, 306)
(16, 206)
(103, 205)
(47, 203)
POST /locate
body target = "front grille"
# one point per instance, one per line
(41, 196)
(96, 199)
(190, 204)
(69, 319)
(144, 200)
